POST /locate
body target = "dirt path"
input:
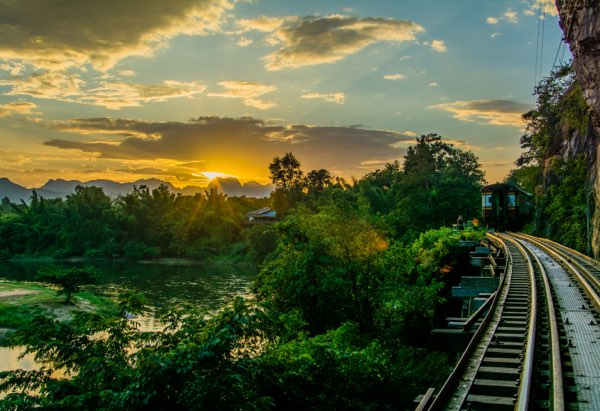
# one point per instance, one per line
(16, 293)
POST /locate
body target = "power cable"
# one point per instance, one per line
(537, 47)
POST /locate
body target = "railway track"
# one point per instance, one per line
(520, 356)
(584, 269)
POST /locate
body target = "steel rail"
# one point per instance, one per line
(593, 279)
(453, 379)
(524, 390)
(589, 260)
(581, 274)
(558, 394)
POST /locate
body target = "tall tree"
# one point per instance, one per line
(288, 179)
(285, 172)
(88, 219)
(317, 180)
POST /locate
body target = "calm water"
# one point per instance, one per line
(207, 285)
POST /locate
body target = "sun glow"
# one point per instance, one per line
(211, 175)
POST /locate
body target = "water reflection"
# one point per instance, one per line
(208, 286)
(9, 360)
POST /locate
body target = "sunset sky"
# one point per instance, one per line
(172, 89)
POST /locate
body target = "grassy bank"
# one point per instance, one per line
(21, 301)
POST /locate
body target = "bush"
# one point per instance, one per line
(137, 250)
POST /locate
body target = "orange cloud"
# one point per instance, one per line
(19, 107)
(494, 112)
(242, 146)
(115, 95)
(248, 92)
(337, 98)
(263, 24)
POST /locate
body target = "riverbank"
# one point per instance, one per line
(21, 301)
(243, 259)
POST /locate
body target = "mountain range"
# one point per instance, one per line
(59, 188)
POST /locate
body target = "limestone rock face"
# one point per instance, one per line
(580, 21)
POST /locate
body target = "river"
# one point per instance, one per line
(209, 286)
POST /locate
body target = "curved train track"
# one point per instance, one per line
(520, 355)
(583, 268)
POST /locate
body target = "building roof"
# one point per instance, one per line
(262, 212)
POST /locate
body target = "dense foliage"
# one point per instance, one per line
(558, 178)
(144, 223)
(370, 353)
(348, 289)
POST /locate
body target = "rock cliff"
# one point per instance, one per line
(580, 22)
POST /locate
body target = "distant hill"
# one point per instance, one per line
(13, 191)
(233, 188)
(59, 188)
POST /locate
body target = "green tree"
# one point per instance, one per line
(69, 281)
(285, 172)
(438, 183)
(317, 180)
(88, 219)
(558, 180)
(324, 267)
(289, 182)
(559, 103)
(108, 363)
(36, 228)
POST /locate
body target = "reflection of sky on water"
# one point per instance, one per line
(9, 360)
(207, 286)
(210, 286)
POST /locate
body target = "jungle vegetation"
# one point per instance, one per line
(552, 167)
(349, 284)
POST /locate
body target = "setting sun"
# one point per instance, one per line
(211, 175)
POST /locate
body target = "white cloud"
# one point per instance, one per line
(433, 84)
(511, 16)
(439, 46)
(397, 76)
(244, 42)
(547, 7)
(494, 35)
(491, 20)
(337, 98)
